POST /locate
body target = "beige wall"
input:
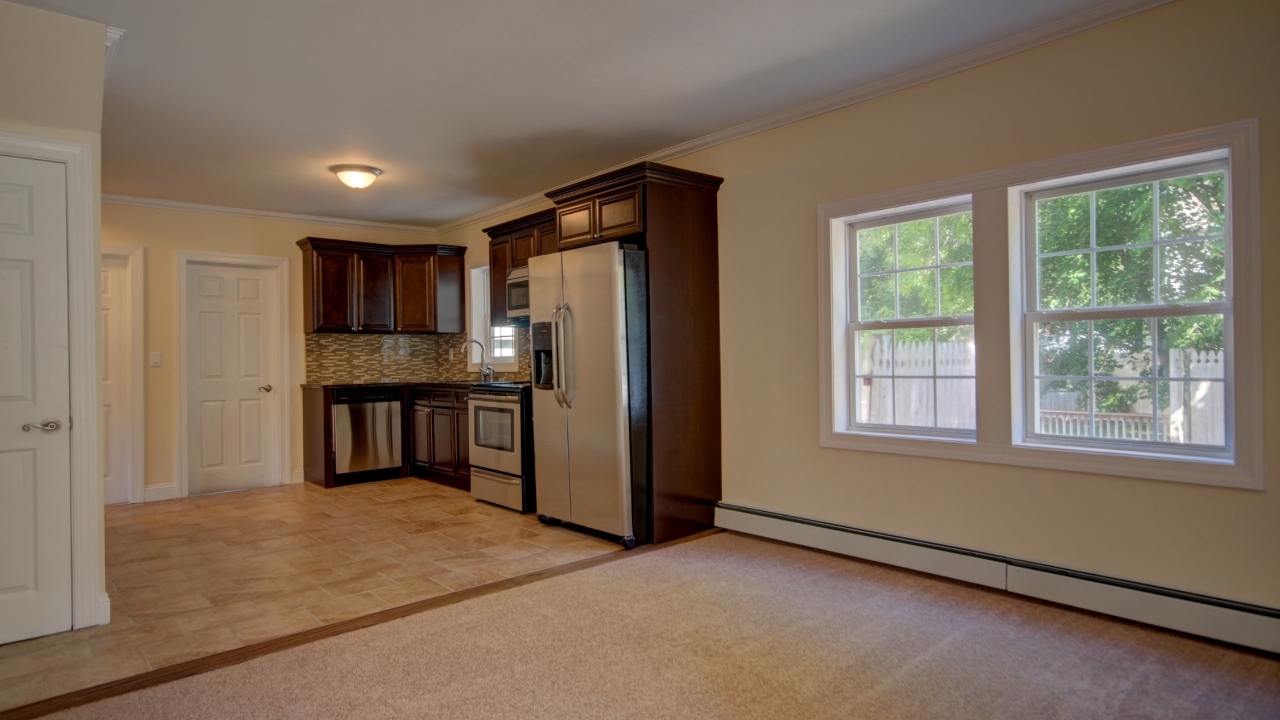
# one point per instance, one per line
(162, 233)
(1187, 65)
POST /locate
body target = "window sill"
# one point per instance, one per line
(1148, 466)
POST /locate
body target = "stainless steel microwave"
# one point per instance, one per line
(518, 293)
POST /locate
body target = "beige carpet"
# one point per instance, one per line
(733, 627)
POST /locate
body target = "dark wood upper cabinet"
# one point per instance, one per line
(576, 224)
(548, 239)
(607, 216)
(375, 311)
(499, 264)
(522, 247)
(329, 287)
(351, 287)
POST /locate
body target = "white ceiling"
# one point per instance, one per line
(467, 104)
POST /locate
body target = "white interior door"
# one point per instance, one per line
(232, 419)
(35, 464)
(117, 391)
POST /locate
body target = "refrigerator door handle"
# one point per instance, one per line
(565, 360)
(555, 356)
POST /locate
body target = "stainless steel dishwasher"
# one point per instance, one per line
(366, 429)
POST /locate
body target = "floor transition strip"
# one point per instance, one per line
(266, 647)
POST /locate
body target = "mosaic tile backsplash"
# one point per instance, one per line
(403, 358)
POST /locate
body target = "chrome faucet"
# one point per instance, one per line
(486, 371)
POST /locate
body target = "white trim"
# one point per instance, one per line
(265, 214)
(296, 476)
(113, 47)
(168, 491)
(1215, 621)
(284, 468)
(1079, 22)
(88, 573)
(993, 218)
(104, 609)
(135, 258)
(480, 323)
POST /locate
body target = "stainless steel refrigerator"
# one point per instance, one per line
(589, 354)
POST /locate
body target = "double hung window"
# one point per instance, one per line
(1129, 310)
(912, 324)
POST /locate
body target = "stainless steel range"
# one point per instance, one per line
(502, 445)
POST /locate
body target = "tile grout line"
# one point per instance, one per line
(246, 653)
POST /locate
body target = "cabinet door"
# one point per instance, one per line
(376, 309)
(522, 248)
(547, 240)
(415, 293)
(462, 439)
(444, 457)
(620, 213)
(333, 277)
(499, 264)
(421, 434)
(576, 224)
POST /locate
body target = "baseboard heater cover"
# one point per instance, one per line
(1253, 626)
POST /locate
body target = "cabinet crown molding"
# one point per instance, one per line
(367, 247)
(527, 221)
(634, 173)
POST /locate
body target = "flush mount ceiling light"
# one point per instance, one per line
(356, 176)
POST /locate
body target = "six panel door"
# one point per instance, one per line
(232, 416)
(35, 464)
(117, 425)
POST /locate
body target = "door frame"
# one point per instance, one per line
(134, 257)
(280, 266)
(90, 604)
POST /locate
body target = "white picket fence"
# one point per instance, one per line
(1193, 412)
(907, 401)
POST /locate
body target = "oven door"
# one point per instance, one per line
(518, 293)
(495, 433)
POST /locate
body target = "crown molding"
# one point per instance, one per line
(265, 214)
(1026, 40)
(113, 46)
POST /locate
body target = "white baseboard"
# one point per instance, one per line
(160, 492)
(295, 476)
(1250, 626)
(104, 609)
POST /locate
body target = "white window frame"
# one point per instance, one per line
(1027, 196)
(999, 296)
(479, 327)
(851, 225)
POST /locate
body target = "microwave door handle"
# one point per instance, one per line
(565, 359)
(555, 357)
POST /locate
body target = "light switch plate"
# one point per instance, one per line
(155, 359)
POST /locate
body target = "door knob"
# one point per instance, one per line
(266, 388)
(49, 426)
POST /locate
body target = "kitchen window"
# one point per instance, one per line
(1115, 293)
(1126, 329)
(500, 343)
(913, 351)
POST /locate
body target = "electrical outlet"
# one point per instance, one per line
(155, 359)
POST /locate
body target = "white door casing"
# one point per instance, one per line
(35, 388)
(233, 341)
(121, 331)
(231, 420)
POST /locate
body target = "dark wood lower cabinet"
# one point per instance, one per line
(440, 435)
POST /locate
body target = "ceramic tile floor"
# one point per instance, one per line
(197, 576)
